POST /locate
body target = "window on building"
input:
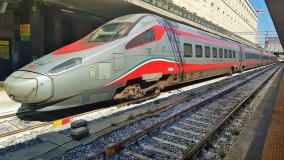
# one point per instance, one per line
(187, 50)
(207, 52)
(198, 51)
(214, 50)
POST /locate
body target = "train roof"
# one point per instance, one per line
(129, 18)
(133, 18)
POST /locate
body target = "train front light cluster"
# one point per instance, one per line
(66, 66)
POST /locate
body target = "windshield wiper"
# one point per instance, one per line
(117, 32)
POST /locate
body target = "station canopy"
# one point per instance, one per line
(276, 11)
(100, 9)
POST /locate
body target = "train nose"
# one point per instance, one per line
(28, 87)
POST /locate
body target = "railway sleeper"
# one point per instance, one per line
(162, 151)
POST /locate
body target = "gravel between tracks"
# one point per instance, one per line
(99, 144)
(16, 143)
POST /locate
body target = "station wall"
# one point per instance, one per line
(49, 30)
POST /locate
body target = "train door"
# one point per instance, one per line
(241, 58)
(175, 44)
(179, 55)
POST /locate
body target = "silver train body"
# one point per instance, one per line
(127, 58)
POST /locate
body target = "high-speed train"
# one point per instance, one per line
(127, 58)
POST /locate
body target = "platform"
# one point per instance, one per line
(274, 143)
(263, 135)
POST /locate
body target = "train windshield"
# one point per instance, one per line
(110, 32)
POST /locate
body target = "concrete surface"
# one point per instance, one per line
(250, 142)
(268, 140)
(3, 158)
(31, 152)
(56, 138)
(56, 152)
(88, 139)
(120, 118)
(99, 126)
(70, 145)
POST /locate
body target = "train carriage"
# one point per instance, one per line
(127, 58)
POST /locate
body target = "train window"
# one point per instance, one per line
(110, 32)
(214, 52)
(225, 53)
(207, 52)
(230, 54)
(187, 50)
(220, 53)
(145, 37)
(246, 56)
(198, 51)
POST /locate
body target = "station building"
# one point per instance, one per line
(272, 44)
(30, 29)
(234, 15)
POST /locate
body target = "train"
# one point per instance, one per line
(125, 59)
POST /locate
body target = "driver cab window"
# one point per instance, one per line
(143, 38)
(110, 32)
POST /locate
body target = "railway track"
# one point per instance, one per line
(183, 134)
(30, 127)
(11, 125)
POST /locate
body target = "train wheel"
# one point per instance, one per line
(158, 90)
(230, 73)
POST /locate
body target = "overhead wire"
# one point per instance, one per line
(264, 16)
(265, 24)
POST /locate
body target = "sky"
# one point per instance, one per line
(264, 20)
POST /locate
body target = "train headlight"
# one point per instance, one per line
(66, 66)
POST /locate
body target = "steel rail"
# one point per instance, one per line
(129, 140)
(46, 124)
(207, 138)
